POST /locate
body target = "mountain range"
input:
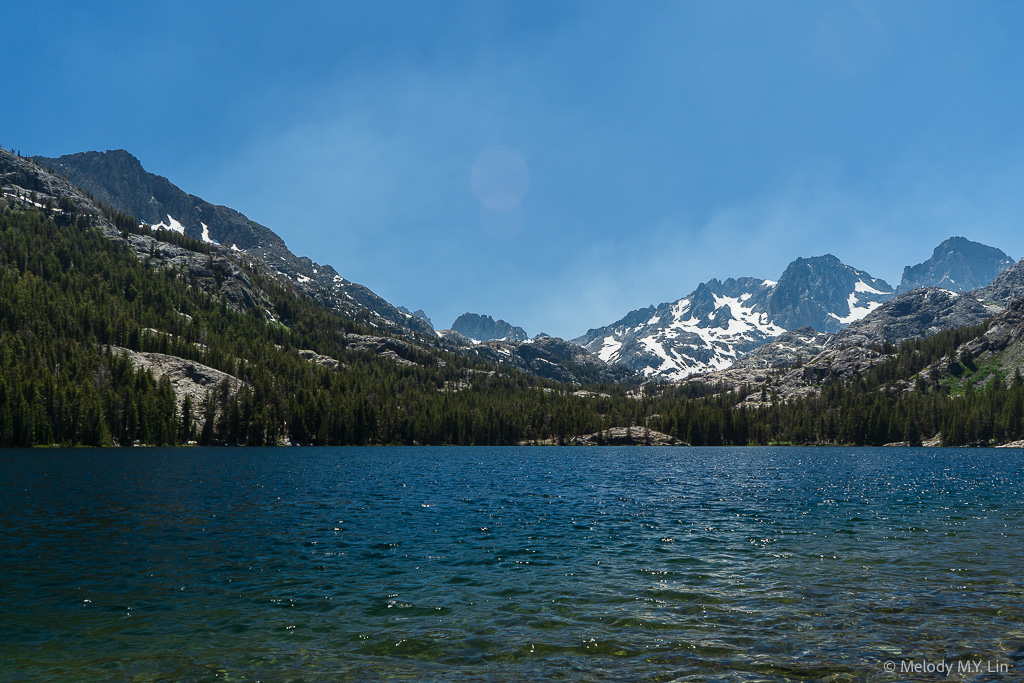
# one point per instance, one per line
(718, 324)
(196, 323)
(714, 326)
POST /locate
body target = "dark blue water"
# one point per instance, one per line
(505, 564)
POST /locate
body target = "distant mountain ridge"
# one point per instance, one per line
(485, 328)
(718, 322)
(957, 264)
(993, 312)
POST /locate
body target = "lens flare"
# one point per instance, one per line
(500, 178)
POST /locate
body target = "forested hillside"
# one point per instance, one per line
(70, 297)
(925, 388)
(77, 303)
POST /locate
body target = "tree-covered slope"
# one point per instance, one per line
(111, 333)
(71, 298)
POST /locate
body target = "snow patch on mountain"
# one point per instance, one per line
(609, 349)
(858, 309)
(172, 224)
(206, 234)
(861, 286)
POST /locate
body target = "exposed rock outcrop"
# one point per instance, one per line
(215, 273)
(1007, 286)
(786, 350)
(396, 350)
(919, 313)
(324, 361)
(772, 384)
(626, 436)
(187, 377)
(1002, 344)
(553, 358)
(616, 436)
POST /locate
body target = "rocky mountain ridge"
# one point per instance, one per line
(918, 313)
(1007, 286)
(866, 343)
(216, 270)
(722, 323)
(957, 264)
(719, 322)
(554, 358)
(118, 179)
(485, 328)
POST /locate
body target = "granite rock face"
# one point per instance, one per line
(1005, 331)
(555, 359)
(118, 179)
(786, 350)
(918, 313)
(215, 273)
(396, 350)
(1007, 286)
(626, 436)
(770, 384)
(824, 293)
(22, 177)
(957, 264)
(188, 378)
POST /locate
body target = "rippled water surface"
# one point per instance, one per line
(505, 564)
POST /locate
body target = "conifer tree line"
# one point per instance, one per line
(69, 298)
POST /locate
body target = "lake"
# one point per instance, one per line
(508, 564)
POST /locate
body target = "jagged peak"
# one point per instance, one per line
(484, 327)
(958, 264)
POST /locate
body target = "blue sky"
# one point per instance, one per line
(555, 164)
